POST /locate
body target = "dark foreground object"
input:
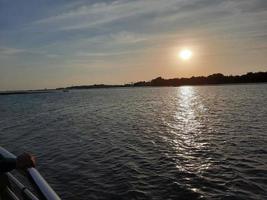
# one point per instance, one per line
(33, 188)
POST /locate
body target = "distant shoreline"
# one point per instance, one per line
(214, 79)
(118, 86)
(27, 92)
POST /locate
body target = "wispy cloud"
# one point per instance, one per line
(7, 51)
(87, 16)
(11, 51)
(99, 14)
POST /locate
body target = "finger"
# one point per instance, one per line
(33, 161)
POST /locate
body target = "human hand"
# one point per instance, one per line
(25, 161)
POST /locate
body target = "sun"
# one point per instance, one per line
(185, 54)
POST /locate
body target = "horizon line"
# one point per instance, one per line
(128, 84)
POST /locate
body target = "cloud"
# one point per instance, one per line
(8, 51)
(11, 51)
(87, 16)
(252, 6)
(101, 54)
(150, 17)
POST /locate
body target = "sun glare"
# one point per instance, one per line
(185, 54)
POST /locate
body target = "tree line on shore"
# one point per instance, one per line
(218, 78)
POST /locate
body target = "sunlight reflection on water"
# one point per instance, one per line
(188, 128)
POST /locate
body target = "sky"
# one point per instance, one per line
(58, 43)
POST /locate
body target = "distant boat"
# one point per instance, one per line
(65, 90)
(16, 190)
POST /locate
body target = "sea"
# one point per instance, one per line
(156, 143)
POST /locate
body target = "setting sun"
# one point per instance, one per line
(185, 54)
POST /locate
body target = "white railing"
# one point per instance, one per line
(36, 178)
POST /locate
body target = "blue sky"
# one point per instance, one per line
(54, 43)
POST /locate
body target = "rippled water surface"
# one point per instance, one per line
(207, 142)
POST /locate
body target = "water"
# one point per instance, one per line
(206, 142)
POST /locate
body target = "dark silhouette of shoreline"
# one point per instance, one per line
(214, 79)
(27, 92)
